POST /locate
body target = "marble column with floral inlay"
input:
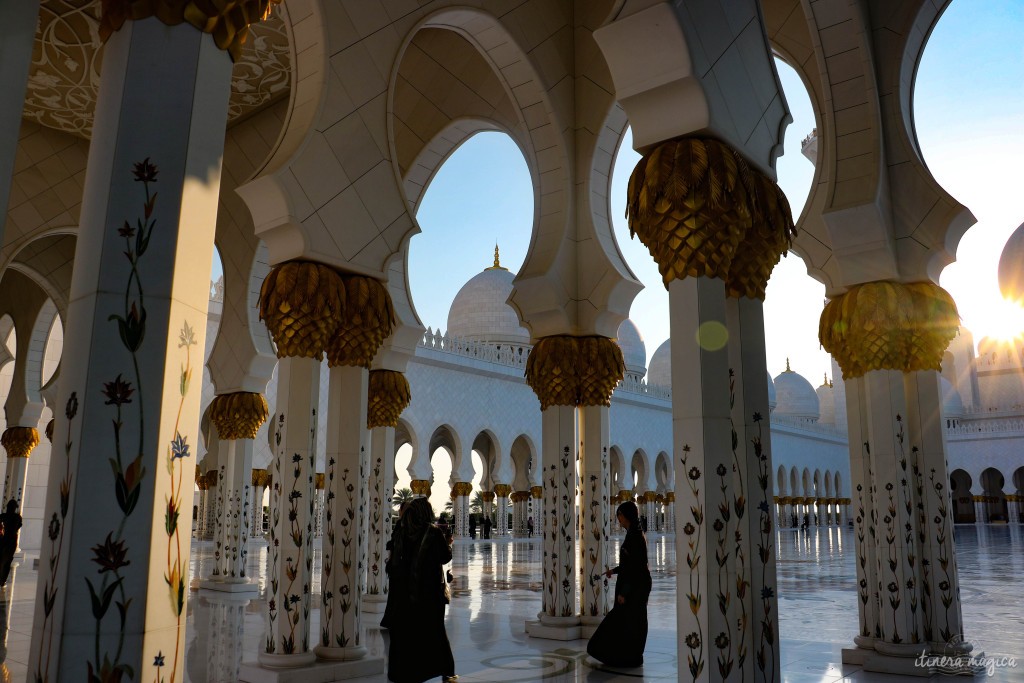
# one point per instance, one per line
(501, 500)
(594, 541)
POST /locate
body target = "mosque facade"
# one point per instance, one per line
(299, 136)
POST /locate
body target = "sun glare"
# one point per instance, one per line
(1002, 321)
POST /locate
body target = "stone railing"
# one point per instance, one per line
(996, 426)
(631, 385)
(807, 425)
(509, 355)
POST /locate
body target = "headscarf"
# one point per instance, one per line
(415, 522)
(630, 511)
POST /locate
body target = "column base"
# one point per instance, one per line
(921, 660)
(340, 654)
(327, 672)
(280, 663)
(589, 624)
(555, 628)
(374, 603)
(243, 586)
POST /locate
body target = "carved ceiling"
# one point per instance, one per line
(65, 72)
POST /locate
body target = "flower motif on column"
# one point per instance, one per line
(19, 441)
(227, 20)
(889, 325)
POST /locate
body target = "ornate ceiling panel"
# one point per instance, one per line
(66, 59)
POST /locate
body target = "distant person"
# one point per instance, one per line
(419, 649)
(622, 636)
(472, 527)
(643, 523)
(10, 524)
(487, 527)
(529, 527)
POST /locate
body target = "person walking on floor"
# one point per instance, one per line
(622, 636)
(10, 522)
(419, 649)
(529, 527)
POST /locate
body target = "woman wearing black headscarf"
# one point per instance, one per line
(419, 647)
(621, 638)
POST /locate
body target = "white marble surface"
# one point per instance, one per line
(498, 589)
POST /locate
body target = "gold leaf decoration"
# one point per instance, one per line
(319, 481)
(366, 321)
(502, 490)
(420, 487)
(388, 395)
(19, 441)
(462, 488)
(769, 237)
(212, 477)
(227, 21)
(238, 415)
(690, 206)
(537, 492)
(889, 326)
(260, 477)
(574, 371)
(301, 303)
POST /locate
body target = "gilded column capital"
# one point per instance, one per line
(487, 496)
(689, 203)
(212, 477)
(670, 496)
(238, 415)
(49, 430)
(260, 477)
(319, 481)
(564, 370)
(420, 487)
(537, 492)
(502, 490)
(769, 237)
(227, 21)
(660, 498)
(462, 488)
(301, 304)
(388, 395)
(889, 325)
(366, 321)
(650, 496)
(520, 496)
(201, 484)
(19, 441)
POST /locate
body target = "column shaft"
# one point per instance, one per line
(235, 489)
(343, 577)
(286, 643)
(595, 438)
(558, 425)
(381, 490)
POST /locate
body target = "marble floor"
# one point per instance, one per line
(497, 589)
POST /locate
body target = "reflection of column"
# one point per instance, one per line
(237, 417)
(501, 493)
(225, 616)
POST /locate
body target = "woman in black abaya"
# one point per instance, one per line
(620, 639)
(419, 647)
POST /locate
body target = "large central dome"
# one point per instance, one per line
(480, 310)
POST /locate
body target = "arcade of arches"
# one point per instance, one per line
(299, 137)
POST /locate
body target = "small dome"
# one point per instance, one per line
(660, 370)
(480, 310)
(1011, 267)
(796, 397)
(773, 397)
(952, 404)
(634, 352)
(826, 403)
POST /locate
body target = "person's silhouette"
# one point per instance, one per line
(10, 522)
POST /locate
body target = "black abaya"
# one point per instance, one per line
(622, 636)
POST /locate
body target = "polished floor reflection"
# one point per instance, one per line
(497, 589)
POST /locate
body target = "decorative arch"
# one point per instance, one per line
(780, 478)
(960, 483)
(617, 470)
(663, 472)
(522, 460)
(640, 467)
(40, 333)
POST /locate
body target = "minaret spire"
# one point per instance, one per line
(787, 364)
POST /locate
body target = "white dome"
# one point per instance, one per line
(634, 352)
(1011, 267)
(773, 398)
(796, 397)
(660, 370)
(480, 312)
(952, 404)
(826, 404)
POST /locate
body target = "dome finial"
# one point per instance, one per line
(787, 364)
(497, 261)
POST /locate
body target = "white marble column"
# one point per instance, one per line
(649, 509)
(558, 433)
(595, 546)
(343, 577)
(287, 643)
(135, 332)
(260, 480)
(460, 507)
(200, 518)
(501, 494)
(535, 509)
(213, 503)
(381, 490)
(670, 512)
(519, 508)
(319, 497)
(18, 442)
